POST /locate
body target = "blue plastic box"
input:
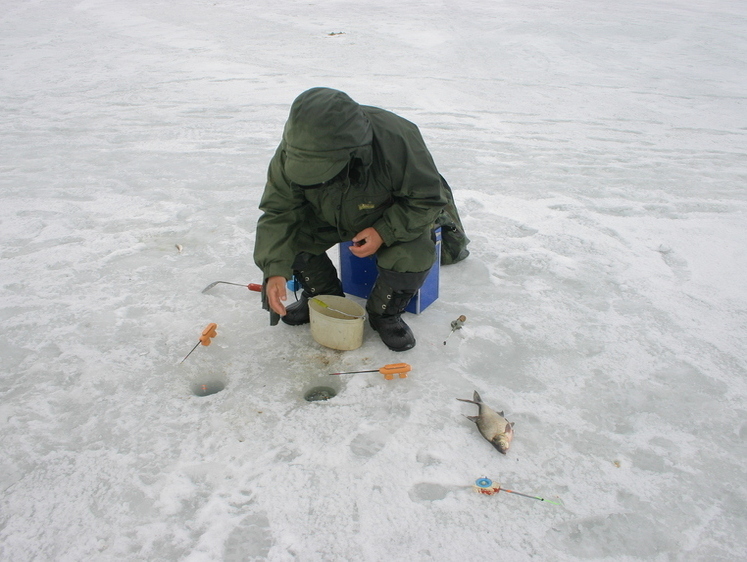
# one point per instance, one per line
(359, 275)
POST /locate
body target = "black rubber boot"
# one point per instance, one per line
(390, 295)
(297, 313)
(318, 276)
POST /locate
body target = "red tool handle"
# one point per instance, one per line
(256, 287)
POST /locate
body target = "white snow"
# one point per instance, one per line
(598, 153)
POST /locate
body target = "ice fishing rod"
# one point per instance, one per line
(486, 486)
(388, 371)
(323, 304)
(256, 287)
(207, 334)
(456, 325)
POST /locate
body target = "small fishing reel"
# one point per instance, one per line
(485, 486)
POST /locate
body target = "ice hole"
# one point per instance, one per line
(206, 388)
(319, 393)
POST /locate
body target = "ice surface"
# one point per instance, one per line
(598, 154)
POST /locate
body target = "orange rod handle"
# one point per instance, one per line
(395, 369)
(208, 333)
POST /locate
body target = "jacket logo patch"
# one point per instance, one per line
(364, 206)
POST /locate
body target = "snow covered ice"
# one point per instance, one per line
(598, 153)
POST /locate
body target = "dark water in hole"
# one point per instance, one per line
(319, 393)
(207, 388)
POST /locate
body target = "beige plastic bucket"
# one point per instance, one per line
(332, 329)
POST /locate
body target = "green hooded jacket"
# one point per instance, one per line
(391, 183)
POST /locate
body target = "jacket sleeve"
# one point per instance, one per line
(416, 184)
(283, 210)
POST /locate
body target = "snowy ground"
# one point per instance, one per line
(597, 150)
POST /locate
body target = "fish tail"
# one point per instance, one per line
(475, 399)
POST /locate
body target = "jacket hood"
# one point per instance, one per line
(325, 129)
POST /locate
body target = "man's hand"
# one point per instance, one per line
(276, 295)
(366, 243)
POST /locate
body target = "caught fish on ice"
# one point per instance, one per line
(491, 425)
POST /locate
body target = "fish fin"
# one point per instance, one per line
(476, 397)
(501, 413)
(509, 428)
(465, 400)
(472, 418)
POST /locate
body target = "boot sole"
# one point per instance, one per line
(289, 323)
(397, 349)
